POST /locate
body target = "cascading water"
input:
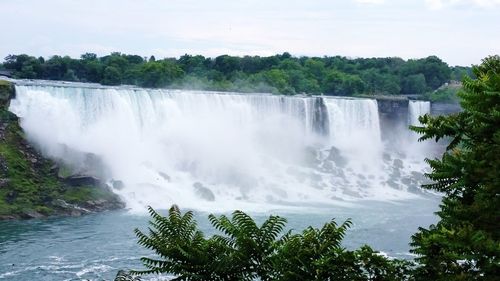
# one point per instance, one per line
(215, 151)
(416, 109)
(355, 129)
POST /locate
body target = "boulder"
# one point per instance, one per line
(4, 182)
(351, 193)
(397, 163)
(164, 176)
(117, 184)
(203, 192)
(80, 180)
(335, 156)
(32, 215)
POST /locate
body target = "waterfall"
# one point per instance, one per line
(416, 109)
(213, 151)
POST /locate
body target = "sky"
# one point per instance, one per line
(461, 32)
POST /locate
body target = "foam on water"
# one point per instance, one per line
(252, 151)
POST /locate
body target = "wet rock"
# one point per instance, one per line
(396, 173)
(336, 198)
(339, 173)
(315, 177)
(4, 182)
(123, 275)
(327, 166)
(32, 215)
(393, 184)
(397, 163)
(3, 165)
(11, 196)
(361, 176)
(418, 176)
(71, 209)
(406, 181)
(363, 184)
(203, 192)
(8, 217)
(117, 184)
(414, 188)
(278, 191)
(351, 193)
(80, 180)
(311, 157)
(75, 213)
(54, 168)
(335, 156)
(164, 176)
(386, 157)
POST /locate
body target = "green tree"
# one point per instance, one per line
(112, 76)
(465, 243)
(247, 251)
(413, 85)
(160, 73)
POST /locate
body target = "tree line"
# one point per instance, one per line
(279, 74)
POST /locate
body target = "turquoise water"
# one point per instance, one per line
(95, 247)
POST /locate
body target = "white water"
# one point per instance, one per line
(416, 109)
(250, 151)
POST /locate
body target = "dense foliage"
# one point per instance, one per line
(465, 243)
(246, 251)
(283, 73)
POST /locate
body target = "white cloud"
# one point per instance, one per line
(254, 27)
(440, 4)
(370, 1)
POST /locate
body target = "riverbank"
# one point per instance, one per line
(32, 186)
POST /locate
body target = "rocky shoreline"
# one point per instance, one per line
(32, 186)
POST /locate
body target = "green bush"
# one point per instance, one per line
(247, 251)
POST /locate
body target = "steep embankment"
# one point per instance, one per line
(32, 186)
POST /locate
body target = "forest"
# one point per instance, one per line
(278, 74)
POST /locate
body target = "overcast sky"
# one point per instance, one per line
(461, 32)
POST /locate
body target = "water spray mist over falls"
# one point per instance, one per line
(210, 150)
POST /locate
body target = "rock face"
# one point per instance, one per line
(335, 156)
(445, 108)
(6, 93)
(203, 192)
(82, 180)
(32, 186)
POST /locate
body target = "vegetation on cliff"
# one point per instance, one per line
(283, 73)
(29, 184)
